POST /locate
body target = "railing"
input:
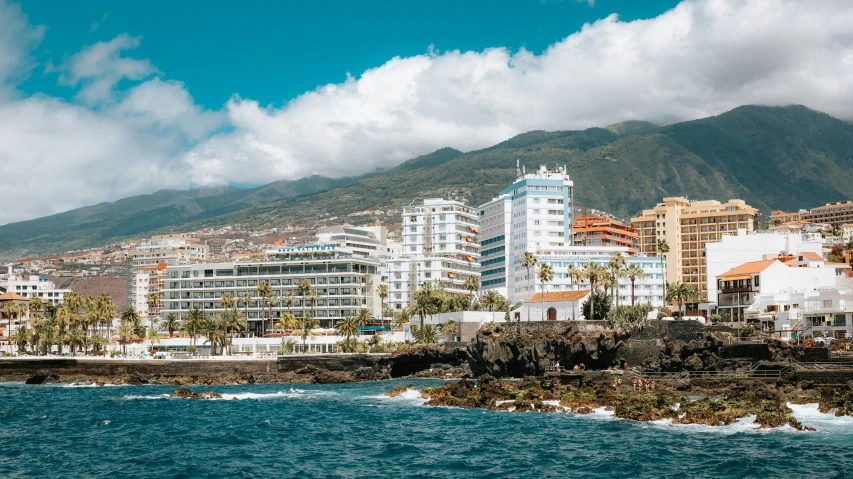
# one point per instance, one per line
(748, 374)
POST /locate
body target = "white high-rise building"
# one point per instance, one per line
(534, 215)
(440, 243)
(535, 211)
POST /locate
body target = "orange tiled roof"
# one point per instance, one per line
(557, 296)
(748, 268)
(10, 296)
(812, 256)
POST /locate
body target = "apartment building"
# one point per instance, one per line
(535, 211)
(149, 261)
(33, 286)
(604, 231)
(344, 282)
(367, 241)
(440, 243)
(687, 226)
(837, 212)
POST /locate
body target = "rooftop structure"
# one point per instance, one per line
(603, 231)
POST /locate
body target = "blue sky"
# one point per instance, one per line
(274, 51)
(101, 100)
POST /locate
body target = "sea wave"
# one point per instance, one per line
(809, 415)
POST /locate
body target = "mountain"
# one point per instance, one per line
(772, 157)
(140, 215)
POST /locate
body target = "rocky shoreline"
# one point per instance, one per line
(679, 402)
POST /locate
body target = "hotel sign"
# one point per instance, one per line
(306, 249)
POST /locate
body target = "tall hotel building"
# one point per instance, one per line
(534, 212)
(440, 243)
(687, 226)
(344, 281)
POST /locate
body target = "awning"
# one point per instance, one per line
(372, 328)
(735, 278)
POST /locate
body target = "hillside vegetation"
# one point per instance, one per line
(772, 157)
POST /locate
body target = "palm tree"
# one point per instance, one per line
(347, 327)
(424, 304)
(528, 261)
(265, 292)
(152, 300)
(287, 300)
(427, 334)
(303, 286)
(153, 336)
(64, 319)
(663, 249)
(232, 321)
(285, 322)
(125, 331)
(11, 309)
(363, 317)
(305, 331)
(546, 275)
(36, 304)
(131, 317)
(472, 284)
(245, 298)
(22, 336)
(680, 292)
(616, 266)
(592, 272)
(194, 321)
(228, 301)
(171, 322)
(490, 300)
(107, 310)
(402, 317)
(450, 328)
(634, 272)
(383, 295)
(575, 276)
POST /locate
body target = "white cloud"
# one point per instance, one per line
(699, 59)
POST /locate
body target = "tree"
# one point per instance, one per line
(286, 321)
(131, 317)
(125, 332)
(347, 327)
(12, 310)
(472, 284)
(244, 299)
(228, 301)
(528, 261)
(634, 272)
(428, 334)
(402, 317)
(663, 249)
(593, 272)
(680, 292)
(425, 304)
(303, 286)
(596, 306)
(312, 295)
(363, 317)
(152, 300)
(194, 322)
(575, 276)
(616, 267)
(171, 322)
(630, 317)
(450, 328)
(231, 321)
(546, 275)
(153, 336)
(382, 292)
(265, 292)
(307, 325)
(107, 311)
(36, 304)
(21, 338)
(490, 300)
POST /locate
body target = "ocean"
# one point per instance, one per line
(353, 431)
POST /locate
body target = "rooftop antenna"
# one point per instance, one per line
(518, 167)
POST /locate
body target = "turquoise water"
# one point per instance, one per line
(351, 430)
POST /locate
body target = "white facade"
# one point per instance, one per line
(35, 286)
(345, 282)
(735, 250)
(819, 313)
(368, 241)
(440, 243)
(648, 289)
(533, 213)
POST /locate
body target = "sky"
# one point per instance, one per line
(101, 100)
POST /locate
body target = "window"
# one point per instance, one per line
(757, 284)
(827, 303)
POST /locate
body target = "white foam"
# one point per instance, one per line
(131, 397)
(809, 415)
(259, 396)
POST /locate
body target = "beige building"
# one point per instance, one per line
(687, 226)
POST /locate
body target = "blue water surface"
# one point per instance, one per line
(353, 431)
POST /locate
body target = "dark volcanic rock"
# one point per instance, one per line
(43, 376)
(416, 359)
(505, 352)
(188, 394)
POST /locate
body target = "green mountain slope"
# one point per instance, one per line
(772, 157)
(163, 210)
